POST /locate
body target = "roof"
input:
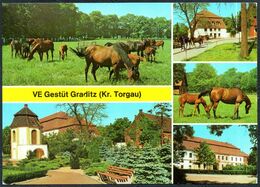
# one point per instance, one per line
(167, 125)
(223, 148)
(25, 118)
(207, 19)
(61, 120)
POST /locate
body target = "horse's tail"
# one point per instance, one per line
(79, 53)
(203, 93)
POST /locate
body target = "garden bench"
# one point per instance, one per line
(117, 175)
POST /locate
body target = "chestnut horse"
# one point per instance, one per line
(63, 51)
(41, 46)
(17, 47)
(159, 43)
(103, 56)
(228, 96)
(192, 99)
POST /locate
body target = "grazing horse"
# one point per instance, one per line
(150, 52)
(103, 56)
(229, 96)
(138, 46)
(17, 47)
(197, 40)
(159, 43)
(41, 46)
(123, 45)
(63, 51)
(192, 99)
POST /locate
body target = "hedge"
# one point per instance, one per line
(229, 172)
(11, 178)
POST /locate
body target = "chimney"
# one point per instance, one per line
(25, 105)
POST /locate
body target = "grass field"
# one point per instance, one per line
(225, 52)
(224, 113)
(17, 71)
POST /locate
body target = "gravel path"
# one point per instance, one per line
(63, 175)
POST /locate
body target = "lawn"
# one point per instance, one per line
(224, 113)
(17, 71)
(225, 52)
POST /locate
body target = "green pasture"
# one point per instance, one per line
(71, 71)
(225, 52)
(224, 113)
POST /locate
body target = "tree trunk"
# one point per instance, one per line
(244, 42)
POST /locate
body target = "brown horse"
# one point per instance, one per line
(229, 96)
(192, 99)
(103, 56)
(197, 40)
(150, 52)
(41, 46)
(159, 43)
(17, 47)
(63, 51)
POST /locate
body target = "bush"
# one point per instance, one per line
(30, 155)
(97, 167)
(251, 171)
(25, 175)
(85, 163)
(74, 161)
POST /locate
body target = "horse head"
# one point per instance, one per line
(248, 104)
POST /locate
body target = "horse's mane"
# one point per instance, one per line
(119, 49)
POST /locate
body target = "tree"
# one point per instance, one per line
(162, 110)
(244, 42)
(6, 139)
(116, 131)
(180, 29)
(205, 155)
(188, 12)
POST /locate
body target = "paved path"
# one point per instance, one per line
(226, 179)
(63, 175)
(179, 55)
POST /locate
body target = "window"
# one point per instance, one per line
(14, 136)
(236, 159)
(231, 158)
(215, 29)
(240, 159)
(34, 136)
(181, 166)
(226, 158)
(205, 29)
(218, 29)
(218, 34)
(218, 157)
(190, 166)
(222, 157)
(210, 34)
(210, 29)
(190, 155)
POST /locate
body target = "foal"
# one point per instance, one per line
(63, 51)
(192, 99)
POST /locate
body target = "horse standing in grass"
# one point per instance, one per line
(159, 43)
(150, 52)
(16, 47)
(138, 46)
(42, 46)
(192, 99)
(103, 56)
(25, 50)
(63, 51)
(228, 96)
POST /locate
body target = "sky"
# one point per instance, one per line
(151, 10)
(222, 67)
(220, 9)
(113, 110)
(236, 135)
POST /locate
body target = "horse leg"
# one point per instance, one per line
(110, 73)
(236, 111)
(94, 69)
(214, 109)
(181, 109)
(47, 54)
(195, 109)
(198, 108)
(59, 55)
(51, 55)
(86, 70)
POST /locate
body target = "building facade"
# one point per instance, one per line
(210, 24)
(226, 154)
(26, 135)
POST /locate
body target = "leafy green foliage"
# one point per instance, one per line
(180, 29)
(205, 155)
(150, 133)
(6, 140)
(74, 161)
(30, 155)
(97, 167)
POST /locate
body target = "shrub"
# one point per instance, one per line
(97, 167)
(74, 161)
(85, 163)
(25, 175)
(30, 155)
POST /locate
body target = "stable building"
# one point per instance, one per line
(26, 135)
(165, 125)
(210, 24)
(226, 154)
(60, 122)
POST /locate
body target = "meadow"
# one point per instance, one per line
(225, 52)
(71, 71)
(224, 113)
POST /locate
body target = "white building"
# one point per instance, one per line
(26, 135)
(226, 154)
(211, 25)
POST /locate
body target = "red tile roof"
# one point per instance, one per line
(61, 120)
(223, 148)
